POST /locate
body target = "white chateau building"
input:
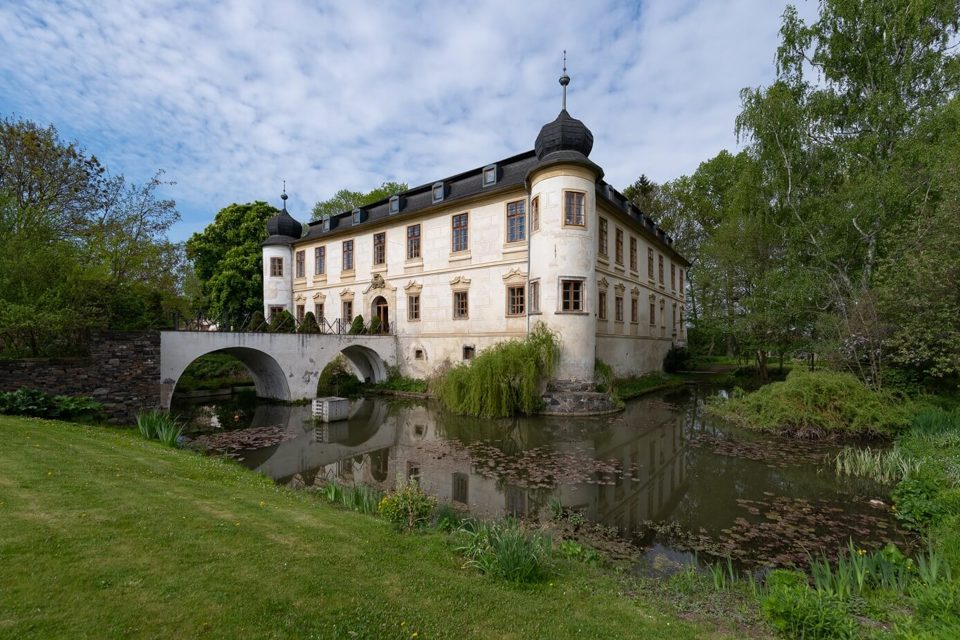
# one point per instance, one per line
(454, 266)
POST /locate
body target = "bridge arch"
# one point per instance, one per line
(367, 362)
(268, 376)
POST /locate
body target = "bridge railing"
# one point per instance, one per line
(334, 326)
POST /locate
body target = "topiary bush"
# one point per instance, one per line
(283, 322)
(308, 324)
(357, 327)
(374, 325)
(257, 322)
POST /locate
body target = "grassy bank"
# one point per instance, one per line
(103, 534)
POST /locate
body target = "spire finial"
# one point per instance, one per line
(284, 195)
(564, 80)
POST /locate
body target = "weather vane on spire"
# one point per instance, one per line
(564, 80)
(284, 195)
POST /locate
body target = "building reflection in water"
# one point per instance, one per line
(619, 471)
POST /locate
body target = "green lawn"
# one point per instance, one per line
(104, 535)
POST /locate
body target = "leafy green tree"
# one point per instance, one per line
(346, 200)
(227, 258)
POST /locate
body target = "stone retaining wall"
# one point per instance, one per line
(122, 371)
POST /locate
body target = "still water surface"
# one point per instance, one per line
(666, 476)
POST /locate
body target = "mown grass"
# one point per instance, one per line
(104, 534)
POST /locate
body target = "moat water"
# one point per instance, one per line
(663, 475)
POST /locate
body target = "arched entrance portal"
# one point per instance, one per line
(382, 311)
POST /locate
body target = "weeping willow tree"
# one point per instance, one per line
(504, 380)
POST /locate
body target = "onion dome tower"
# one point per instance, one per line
(563, 255)
(283, 231)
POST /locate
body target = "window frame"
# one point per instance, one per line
(516, 221)
(533, 297)
(602, 237)
(660, 280)
(618, 308)
(413, 240)
(463, 231)
(300, 264)
(413, 307)
(575, 220)
(381, 259)
(575, 296)
(535, 214)
(458, 312)
(347, 252)
(320, 261)
(650, 264)
(516, 300)
(634, 259)
(601, 304)
(276, 266)
(346, 311)
(618, 246)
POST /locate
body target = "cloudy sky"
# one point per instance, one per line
(230, 98)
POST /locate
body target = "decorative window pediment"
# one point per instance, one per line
(635, 292)
(413, 288)
(319, 296)
(619, 288)
(460, 283)
(514, 276)
(300, 297)
(603, 284)
(346, 294)
(653, 297)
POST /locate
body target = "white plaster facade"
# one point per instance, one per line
(421, 294)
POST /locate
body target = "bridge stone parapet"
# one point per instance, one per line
(284, 366)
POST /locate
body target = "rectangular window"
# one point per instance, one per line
(276, 310)
(571, 295)
(618, 308)
(653, 314)
(348, 311)
(413, 308)
(602, 235)
(681, 282)
(535, 296)
(413, 241)
(573, 210)
(515, 301)
(379, 248)
(461, 309)
(348, 255)
(300, 261)
(413, 471)
(660, 267)
(319, 261)
(318, 311)
(634, 310)
(300, 313)
(535, 214)
(602, 305)
(618, 246)
(460, 487)
(633, 253)
(516, 221)
(650, 264)
(276, 267)
(460, 240)
(673, 276)
(468, 352)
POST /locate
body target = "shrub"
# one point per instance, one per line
(677, 359)
(37, 404)
(918, 501)
(504, 380)
(283, 322)
(337, 379)
(356, 327)
(308, 324)
(797, 611)
(374, 325)
(447, 518)
(815, 404)
(603, 375)
(507, 550)
(257, 322)
(408, 507)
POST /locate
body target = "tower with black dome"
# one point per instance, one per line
(563, 254)
(278, 267)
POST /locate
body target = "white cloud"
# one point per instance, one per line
(231, 98)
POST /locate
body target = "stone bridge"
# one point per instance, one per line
(284, 366)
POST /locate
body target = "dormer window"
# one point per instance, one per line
(394, 204)
(326, 225)
(356, 216)
(438, 192)
(490, 175)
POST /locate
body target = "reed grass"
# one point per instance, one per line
(885, 466)
(508, 550)
(156, 425)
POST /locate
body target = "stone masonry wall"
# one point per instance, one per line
(122, 371)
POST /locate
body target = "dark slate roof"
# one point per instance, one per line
(565, 133)
(283, 224)
(511, 173)
(611, 196)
